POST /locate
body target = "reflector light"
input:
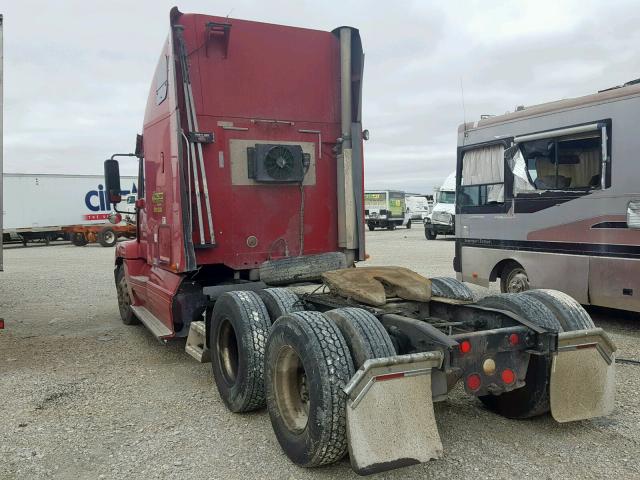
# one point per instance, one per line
(389, 376)
(514, 339)
(508, 376)
(465, 346)
(1, 323)
(473, 382)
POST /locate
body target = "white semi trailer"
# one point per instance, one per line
(50, 206)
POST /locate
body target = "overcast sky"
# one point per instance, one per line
(77, 73)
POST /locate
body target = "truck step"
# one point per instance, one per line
(196, 342)
(152, 322)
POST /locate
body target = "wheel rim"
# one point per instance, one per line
(291, 389)
(228, 351)
(518, 281)
(110, 237)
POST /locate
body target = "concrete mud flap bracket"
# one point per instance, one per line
(390, 417)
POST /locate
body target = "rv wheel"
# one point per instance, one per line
(514, 279)
(307, 365)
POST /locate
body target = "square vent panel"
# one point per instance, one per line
(277, 163)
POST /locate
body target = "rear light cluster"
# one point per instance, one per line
(474, 380)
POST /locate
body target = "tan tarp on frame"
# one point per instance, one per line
(373, 285)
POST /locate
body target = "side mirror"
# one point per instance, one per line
(114, 218)
(112, 180)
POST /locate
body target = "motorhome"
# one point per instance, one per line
(549, 197)
(441, 221)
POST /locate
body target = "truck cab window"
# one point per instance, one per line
(482, 180)
(572, 162)
(446, 197)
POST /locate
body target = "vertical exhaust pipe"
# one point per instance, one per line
(345, 86)
(347, 228)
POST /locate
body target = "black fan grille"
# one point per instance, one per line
(279, 163)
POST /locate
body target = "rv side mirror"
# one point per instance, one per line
(112, 181)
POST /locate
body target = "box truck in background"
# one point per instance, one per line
(385, 209)
(442, 218)
(52, 206)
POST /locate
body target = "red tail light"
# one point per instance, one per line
(508, 376)
(1, 323)
(465, 346)
(473, 382)
(514, 339)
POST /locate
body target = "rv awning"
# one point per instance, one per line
(558, 133)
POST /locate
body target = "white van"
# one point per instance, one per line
(442, 219)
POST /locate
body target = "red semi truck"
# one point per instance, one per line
(250, 217)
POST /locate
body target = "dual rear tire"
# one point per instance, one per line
(298, 366)
(549, 309)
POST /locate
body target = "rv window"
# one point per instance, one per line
(162, 79)
(483, 176)
(572, 162)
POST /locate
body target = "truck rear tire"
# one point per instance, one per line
(364, 334)
(391, 226)
(300, 269)
(569, 312)
(124, 299)
(409, 224)
(307, 365)
(107, 237)
(447, 287)
(371, 226)
(532, 399)
(238, 334)
(79, 239)
(280, 301)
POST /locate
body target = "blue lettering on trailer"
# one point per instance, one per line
(96, 201)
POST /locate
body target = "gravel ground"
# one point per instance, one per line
(83, 396)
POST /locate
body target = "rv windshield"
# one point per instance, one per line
(446, 197)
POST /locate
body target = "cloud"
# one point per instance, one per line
(77, 73)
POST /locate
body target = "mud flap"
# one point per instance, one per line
(390, 418)
(582, 376)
